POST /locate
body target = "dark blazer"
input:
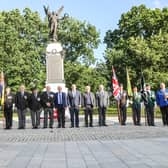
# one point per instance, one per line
(21, 102)
(102, 100)
(47, 99)
(84, 99)
(35, 102)
(64, 100)
(74, 101)
(9, 101)
(123, 98)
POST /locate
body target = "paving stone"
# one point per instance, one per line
(98, 147)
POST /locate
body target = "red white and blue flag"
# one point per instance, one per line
(115, 84)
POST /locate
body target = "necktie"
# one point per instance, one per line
(60, 98)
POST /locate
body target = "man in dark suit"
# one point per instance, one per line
(61, 105)
(21, 102)
(47, 102)
(8, 107)
(88, 103)
(136, 106)
(35, 107)
(102, 101)
(149, 105)
(122, 106)
(74, 103)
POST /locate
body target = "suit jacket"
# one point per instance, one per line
(45, 98)
(21, 102)
(64, 100)
(102, 100)
(9, 101)
(74, 101)
(123, 98)
(84, 99)
(150, 99)
(35, 102)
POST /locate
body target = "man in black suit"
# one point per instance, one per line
(47, 102)
(60, 105)
(21, 101)
(8, 107)
(122, 106)
(74, 103)
(88, 103)
(35, 107)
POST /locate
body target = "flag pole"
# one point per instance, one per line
(116, 92)
(143, 95)
(3, 97)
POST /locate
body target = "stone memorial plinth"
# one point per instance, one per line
(55, 65)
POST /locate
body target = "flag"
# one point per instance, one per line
(129, 89)
(2, 88)
(115, 84)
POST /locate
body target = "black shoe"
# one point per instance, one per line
(71, 126)
(44, 127)
(51, 127)
(105, 125)
(58, 126)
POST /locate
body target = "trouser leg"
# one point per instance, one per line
(76, 117)
(86, 117)
(100, 110)
(33, 113)
(20, 118)
(24, 118)
(72, 116)
(91, 117)
(38, 118)
(163, 111)
(104, 116)
(139, 115)
(51, 117)
(45, 118)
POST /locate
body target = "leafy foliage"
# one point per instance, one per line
(140, 43)
(23, 40)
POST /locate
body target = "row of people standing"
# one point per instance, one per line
(74, 100)
(49, 101)
(149, 98)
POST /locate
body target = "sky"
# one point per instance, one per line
(104, 14)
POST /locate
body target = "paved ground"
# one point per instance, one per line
(98, 147)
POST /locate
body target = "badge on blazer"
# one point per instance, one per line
(51, 95)
(9, 97)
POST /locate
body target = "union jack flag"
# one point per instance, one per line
(115, 84)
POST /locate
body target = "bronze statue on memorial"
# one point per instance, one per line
(53, 18)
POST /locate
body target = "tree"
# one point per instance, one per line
(140, 43)
(23, 40)
(79, 39)
(82, 75)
